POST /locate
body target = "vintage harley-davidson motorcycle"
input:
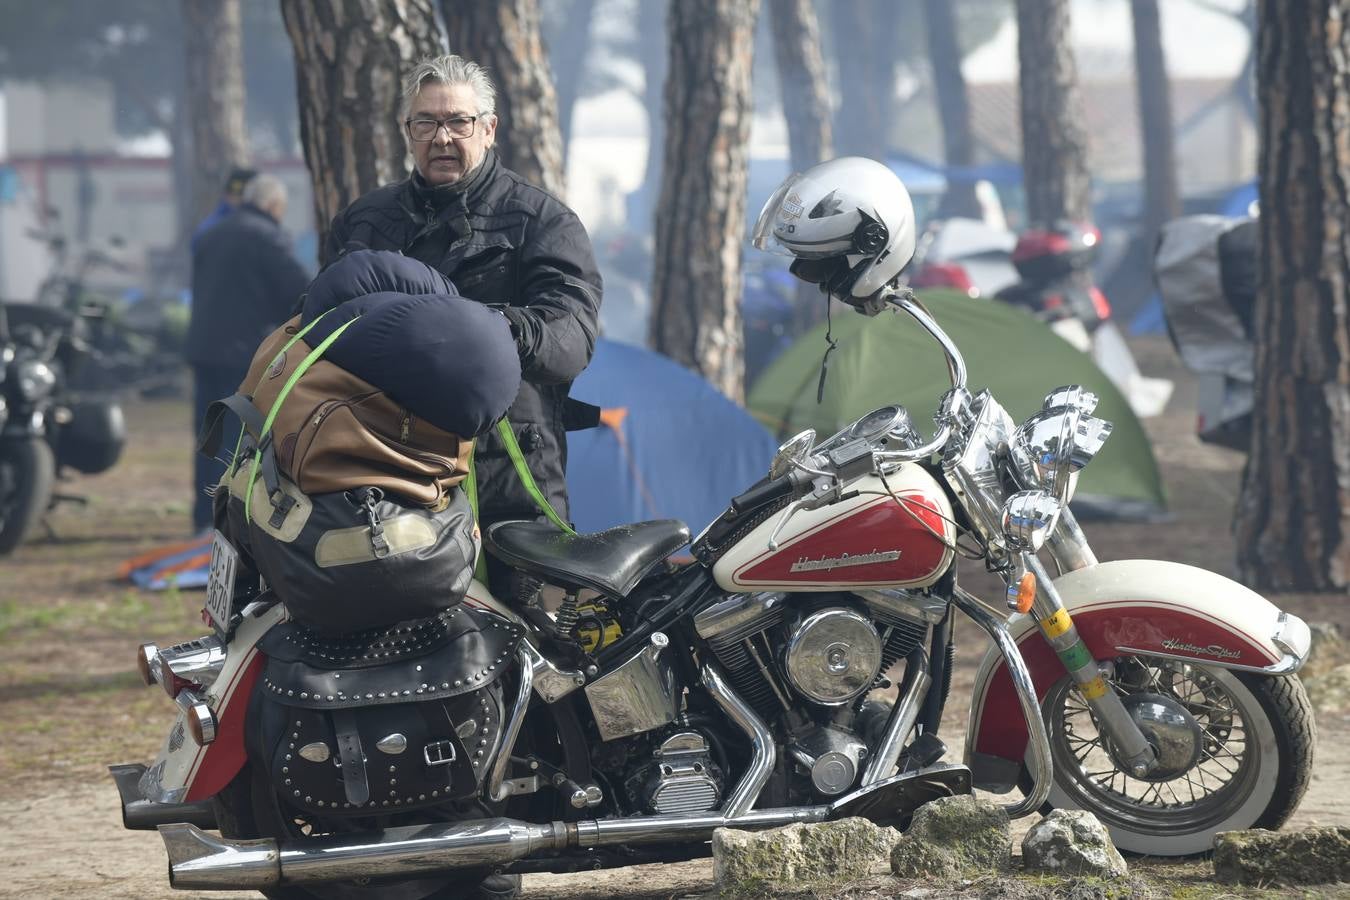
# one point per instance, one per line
(660, 702)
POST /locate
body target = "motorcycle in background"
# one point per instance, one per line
(737, 690)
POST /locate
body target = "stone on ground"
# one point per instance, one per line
(953, 836)
(756, 861)
(1329, 650)
(1329, 692)
(1073, 842)
(1310, 856)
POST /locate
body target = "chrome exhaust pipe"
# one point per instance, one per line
(201, 861)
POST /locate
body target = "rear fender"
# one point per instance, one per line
(1129, 607)
(184, 772)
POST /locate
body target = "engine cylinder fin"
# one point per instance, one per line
(745, 677)
(903, 636)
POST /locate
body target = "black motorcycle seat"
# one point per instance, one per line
(611, 562)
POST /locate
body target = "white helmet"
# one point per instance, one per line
(848, 224)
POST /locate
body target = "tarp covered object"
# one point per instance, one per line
(890, 359)
(673, 446)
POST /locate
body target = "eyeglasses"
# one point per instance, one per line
(426, 129)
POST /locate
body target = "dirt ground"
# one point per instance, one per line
(71, 702)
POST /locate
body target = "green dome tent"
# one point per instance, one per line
(890, 359)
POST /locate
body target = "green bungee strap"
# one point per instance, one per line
(526, 478)
(300, 370)
(234, 457)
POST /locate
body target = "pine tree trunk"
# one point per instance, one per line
(863, 33)
(215, 96)
(569, 65)
(1054, 145)
(1161, 202)
(1293, 528)
(350, 60)
(958, 143)
(700, 223)
(801, 81)
(503, 36)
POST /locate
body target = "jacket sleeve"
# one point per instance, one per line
(288, 278)
(560, 283)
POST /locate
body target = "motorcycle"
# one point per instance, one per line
(48, 427)
(660, 702)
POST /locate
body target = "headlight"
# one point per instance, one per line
(35, 379)
(1028, 518)
(1054, 444)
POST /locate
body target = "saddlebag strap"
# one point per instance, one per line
(213, 423)
(354, 781)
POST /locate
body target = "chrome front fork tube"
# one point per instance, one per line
(1132, 748)
(1067, 544)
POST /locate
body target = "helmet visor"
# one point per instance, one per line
(777, 212)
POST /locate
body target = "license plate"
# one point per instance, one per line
(220, 584)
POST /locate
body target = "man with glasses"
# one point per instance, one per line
(502, 242)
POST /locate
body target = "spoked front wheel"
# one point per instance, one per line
(1234, 751)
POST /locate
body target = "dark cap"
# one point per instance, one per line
(237, 179)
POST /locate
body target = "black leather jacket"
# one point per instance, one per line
(516, 247)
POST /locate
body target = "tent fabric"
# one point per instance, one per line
(890, 359)
(182, 565)
(681, 450)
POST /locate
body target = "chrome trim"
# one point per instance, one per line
(199, 662)
(922, 608)
(1027, 519)
(901, 722)
(833, 655)
(550, 682)
(495, 790)
(200, 719)
(1294, 637)
(1068, 545)
(1038, 740)
(639, 695)
(763, 752)
(1287, 665)
(737, 613)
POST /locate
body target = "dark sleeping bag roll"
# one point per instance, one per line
(364, 272)
(448, 360)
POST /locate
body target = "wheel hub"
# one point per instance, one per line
(1173, 733)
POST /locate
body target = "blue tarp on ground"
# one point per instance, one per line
(681, 451)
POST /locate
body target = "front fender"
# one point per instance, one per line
(1128, 607)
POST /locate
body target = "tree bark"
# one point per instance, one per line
(1161, 202)
(863, 34)
(1293, 528)
(1054, 144)
(653, 43)
(700, 225)
(801, 81)
(214, 80)
(350, 60)
(569, 65)
(958, 142)
(503, 36)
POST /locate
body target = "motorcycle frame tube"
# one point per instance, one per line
(497, 790)
(763, 752)
(901, 722)
(1057, 627)
(184, 772)
(1040, 764)
(1133, 607)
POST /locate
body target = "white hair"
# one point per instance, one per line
(451, 70)
(265, 191)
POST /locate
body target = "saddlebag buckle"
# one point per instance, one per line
(439, 753)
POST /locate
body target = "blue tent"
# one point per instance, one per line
(673, 446)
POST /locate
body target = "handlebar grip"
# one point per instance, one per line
(762, 493)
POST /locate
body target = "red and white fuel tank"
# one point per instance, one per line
(875, 538)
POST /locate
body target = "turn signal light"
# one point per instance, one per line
(201, 722)
(1026, 593)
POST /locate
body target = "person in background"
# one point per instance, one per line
(231, 195)
(502, 242)
(245, 280)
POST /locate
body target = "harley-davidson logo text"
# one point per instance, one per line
(1214, 650)
(844, 560)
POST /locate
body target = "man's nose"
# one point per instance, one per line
(442, 137)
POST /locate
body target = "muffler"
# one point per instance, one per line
(201, 861)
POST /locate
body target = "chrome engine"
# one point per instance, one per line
(833, 655)
(681, 778)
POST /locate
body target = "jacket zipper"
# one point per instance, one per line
(405, 427)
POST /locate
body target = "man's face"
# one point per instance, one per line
(446, 159)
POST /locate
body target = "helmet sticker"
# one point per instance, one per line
(829, 205)
(792, 207)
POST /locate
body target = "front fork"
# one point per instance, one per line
(1070, 549)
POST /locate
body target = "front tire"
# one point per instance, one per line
(1248, 766)
(25, 488)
